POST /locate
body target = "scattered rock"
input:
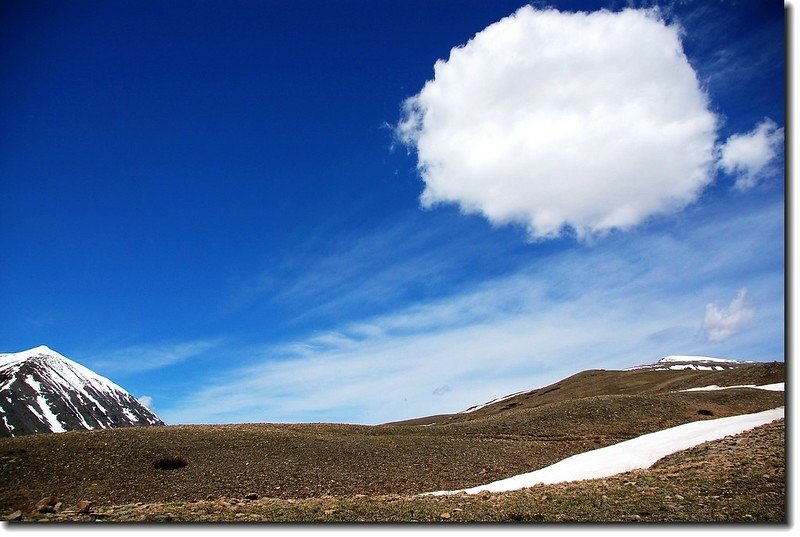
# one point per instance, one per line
(83, 506)
(329, 511)
(251, 496)
(679, 497)
(16, 515)
(46, 504)
(445, 516)
(47, 500)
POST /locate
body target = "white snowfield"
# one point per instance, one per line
(777, 387)
(639, 452)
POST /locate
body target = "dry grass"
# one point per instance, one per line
(294, 462)
(736, 479)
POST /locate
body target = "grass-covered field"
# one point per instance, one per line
(736, 479)
(350, 473)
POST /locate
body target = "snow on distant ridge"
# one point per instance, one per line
(679, 358)
(640, 452)
(678, 362)
(675, 362)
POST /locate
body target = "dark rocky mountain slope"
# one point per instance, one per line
(42, 391)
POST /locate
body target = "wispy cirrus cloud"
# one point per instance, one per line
(410, 258)
(589, 307)
(149, 357)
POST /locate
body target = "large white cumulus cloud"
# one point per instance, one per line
(549, 119)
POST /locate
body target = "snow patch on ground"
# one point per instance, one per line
(777, 387)
(639, 452)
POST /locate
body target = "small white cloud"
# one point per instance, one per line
(146, 401)
(722, 323)
(749, 157)
(547, 119)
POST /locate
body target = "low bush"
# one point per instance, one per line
(170, 462)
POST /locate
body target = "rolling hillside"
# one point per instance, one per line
(291, 462)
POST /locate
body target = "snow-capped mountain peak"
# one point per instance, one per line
(44, 391)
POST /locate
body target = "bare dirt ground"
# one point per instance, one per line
(345, 472)
(737, 479)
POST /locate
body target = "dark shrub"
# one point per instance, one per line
(704, 412)
(169, 463)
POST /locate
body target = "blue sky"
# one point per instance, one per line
(363, 211)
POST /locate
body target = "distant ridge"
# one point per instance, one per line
(672, 362)
(42, 391)
(695, 363)
(672, 373)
